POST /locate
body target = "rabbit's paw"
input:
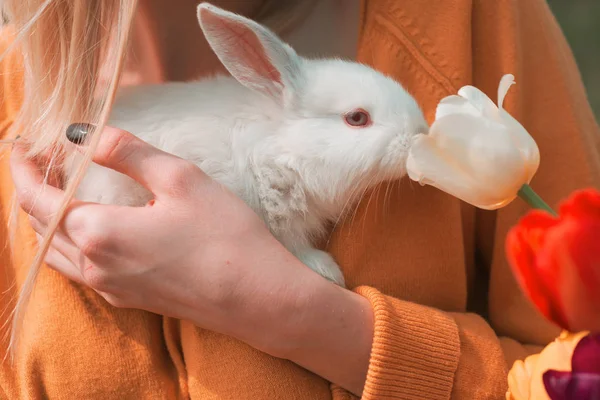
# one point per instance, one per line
(323, 264)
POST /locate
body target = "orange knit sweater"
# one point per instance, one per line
(449, 319)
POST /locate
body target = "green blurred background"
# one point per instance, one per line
(580, 21)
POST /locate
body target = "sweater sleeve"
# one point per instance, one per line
(424, 353)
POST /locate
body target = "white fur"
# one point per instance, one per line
(282, 146)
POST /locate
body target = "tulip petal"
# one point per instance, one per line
(480, 101)
(427, 163)
(480, 164)
(505, 83)
(537, 279)
(580, 240)
(523, 141)
(586, 356)
(455, 105)
(583, 203)
(584, 251)
(555, 356)
(519, 378)
(584, 386)
(563, 385)
(556, 383)
(571, 251)
(431, 160)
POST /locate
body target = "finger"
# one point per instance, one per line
(59, 263)
(125, 153)
(35, 198)
(38, 227)
(83, 223)
(60, 242)
(84, 233)
(89, 229)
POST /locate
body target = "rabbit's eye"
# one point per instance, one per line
(358, 118)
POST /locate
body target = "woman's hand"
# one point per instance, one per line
(195, 252)
(198, 252)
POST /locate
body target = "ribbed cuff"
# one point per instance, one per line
(415, 353)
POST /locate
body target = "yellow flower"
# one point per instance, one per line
(525, 378)
(475, 150)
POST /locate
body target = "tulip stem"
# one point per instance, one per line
(535, 201)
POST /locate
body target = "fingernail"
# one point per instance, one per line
(76, 133)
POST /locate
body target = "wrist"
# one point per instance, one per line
(270, 315)
(328, 330)
(300, 316)
(324, 317)
(331, 336)
(286, 319)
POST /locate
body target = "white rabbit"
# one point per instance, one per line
(297, 139)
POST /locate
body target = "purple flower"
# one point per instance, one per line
(583, 381)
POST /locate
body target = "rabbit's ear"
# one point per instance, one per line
(251, 53)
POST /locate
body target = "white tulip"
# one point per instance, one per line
(475, 150)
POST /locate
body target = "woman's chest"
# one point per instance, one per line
(408, 242)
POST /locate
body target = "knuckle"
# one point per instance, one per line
(93, 240)
(25, 198)
(94, 235)
(91, 245)
(96, 279)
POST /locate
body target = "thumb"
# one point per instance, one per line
(125, 153)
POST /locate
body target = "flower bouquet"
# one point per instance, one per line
(478, 152)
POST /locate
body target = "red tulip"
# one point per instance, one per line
(557, 261)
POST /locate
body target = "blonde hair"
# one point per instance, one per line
(64, 44)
